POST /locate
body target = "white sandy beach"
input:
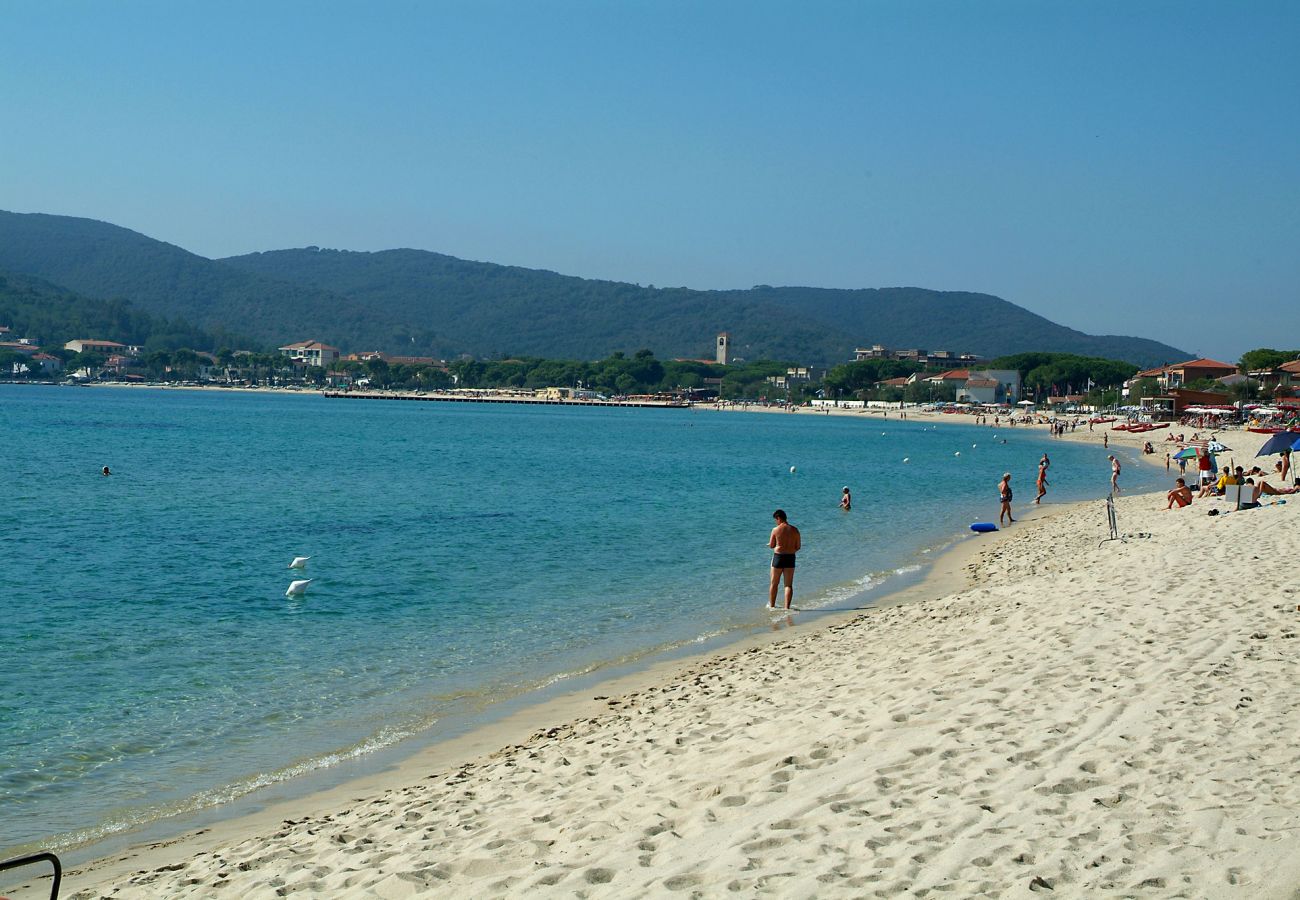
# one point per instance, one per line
(1054, 716)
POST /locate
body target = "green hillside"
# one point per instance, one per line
(51, 316)
(421, 303)
(485, 305)
(108, 262)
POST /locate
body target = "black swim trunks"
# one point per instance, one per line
(783, 560)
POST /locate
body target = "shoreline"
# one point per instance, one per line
(897, 582)
(325, 777)
(511, 721)
(1027, 720)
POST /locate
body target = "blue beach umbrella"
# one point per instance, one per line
(1283, 440)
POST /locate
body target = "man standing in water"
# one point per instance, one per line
(785, 543)
(1042, 479)
(1114, 475)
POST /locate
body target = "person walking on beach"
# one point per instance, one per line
(846, 501)
(1114, 474)
(1004, 494)
(1042, 480)
(785, 543)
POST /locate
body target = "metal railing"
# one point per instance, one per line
(50, 858)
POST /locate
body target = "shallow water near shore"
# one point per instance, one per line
(461, 555)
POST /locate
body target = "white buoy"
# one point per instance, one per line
(792, 470)
(973, 446)
(907, 459)
(297, 587)
(299, 562)
(958, 453)
(882, 434)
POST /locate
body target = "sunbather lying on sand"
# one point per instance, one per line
(1263, 487)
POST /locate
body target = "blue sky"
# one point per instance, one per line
(1119, 167)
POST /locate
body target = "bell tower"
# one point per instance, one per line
(724, 348)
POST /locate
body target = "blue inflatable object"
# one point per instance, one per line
(981, 527)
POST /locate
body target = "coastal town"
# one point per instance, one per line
(1162, 393)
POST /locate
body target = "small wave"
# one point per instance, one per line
(219, 796)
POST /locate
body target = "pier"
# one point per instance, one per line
(495, 398)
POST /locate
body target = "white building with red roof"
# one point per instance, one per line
(1180, 374)
(86, 345)
(311, 353)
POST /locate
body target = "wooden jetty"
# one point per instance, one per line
(496, 398)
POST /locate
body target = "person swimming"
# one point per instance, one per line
(105, 471)
(846, 501)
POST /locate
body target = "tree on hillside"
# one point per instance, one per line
(930, 392)
(1064, 373)
(1247, 391)
(87, 360)
(1143, 387)
(377, 372)
(855, 378)
(1264, 358)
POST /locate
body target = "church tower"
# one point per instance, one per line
(724, 348)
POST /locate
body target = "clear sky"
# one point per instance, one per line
(1119, 167)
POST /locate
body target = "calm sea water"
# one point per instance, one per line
(460, 555)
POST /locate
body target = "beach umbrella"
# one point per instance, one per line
(1186, 453)
(1283, 440)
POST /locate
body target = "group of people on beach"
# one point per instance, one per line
(785, 540)
(1254, 479)
(1005, 493)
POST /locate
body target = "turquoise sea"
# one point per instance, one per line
(461, 556)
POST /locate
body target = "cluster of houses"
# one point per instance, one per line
(1281, 384)
(30, 358)
(124, 361)
(927, 358)
(969, 384)
(991, 386)
(314, 353)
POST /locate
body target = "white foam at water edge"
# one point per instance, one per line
(907, 570)
(224, 794)
(843, 592)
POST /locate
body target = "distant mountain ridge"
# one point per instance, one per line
(420, 302)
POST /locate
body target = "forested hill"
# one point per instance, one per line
(495, 309)
(416, 302)
(109, 262)
(51, 316)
